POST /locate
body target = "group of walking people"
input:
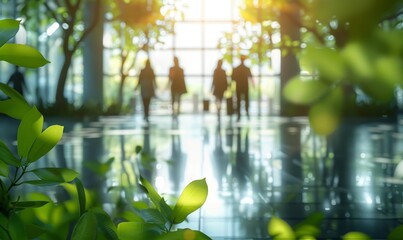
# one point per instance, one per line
(241, 75)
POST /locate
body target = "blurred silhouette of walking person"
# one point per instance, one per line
(242, 75)
(178, 86)
(219, 85)
(17, 81)
(147, 84)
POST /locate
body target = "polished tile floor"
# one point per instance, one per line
(254, 168)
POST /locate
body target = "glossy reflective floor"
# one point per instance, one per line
(254, 168)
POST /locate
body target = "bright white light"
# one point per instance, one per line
(368, 199)
(160, 183)
(52, 29)
(247, 200)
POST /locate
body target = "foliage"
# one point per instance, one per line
(348, 48)
(309, 228)
(254, 34)
(39, 217)
(33, 143)
(69, 17)
(18, 54)
(157, 222)
(365, 56)
(136, 33)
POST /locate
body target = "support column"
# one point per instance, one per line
(93, 56)
(289, 29)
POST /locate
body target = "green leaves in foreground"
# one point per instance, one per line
(18, 54)
(326, 102)
(192, 198)
(301, 91)
(157, 222)
(22, 55)
(8, 29)
(15, 106)
(309, 228)
(325, 115)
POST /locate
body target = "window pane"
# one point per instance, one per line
(161, 62)
(217, 10)
(191, 61)
(188, 35)
(192, 10)
(213, 32)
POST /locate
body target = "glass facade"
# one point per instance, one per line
(195, 42)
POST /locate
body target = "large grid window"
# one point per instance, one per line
(195, 44)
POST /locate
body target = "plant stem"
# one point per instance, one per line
(17, 177)
(170, 227)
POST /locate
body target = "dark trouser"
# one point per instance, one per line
(239, 95)
(146, 106)
(176, 98)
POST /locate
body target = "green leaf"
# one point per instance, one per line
(41, 183)
(29, 204)
(138, 149)
(389, 69)
(22, 55)
(310, 226)
(305, 92)
(192, 198)
(325, 116)
(185, 234)
(396, 233)
(55, 174)
(152, 216)
(16, 228)
(136, 230)
(152, 194)
(130, 230)
(7, 156)
(35, 231)
(358, 59)
(165, 209)
(105, 224)
(4, 170)
(45, 142)
(327, 61)
(280, 230)
(356, 236)
(81, 195)
(99, 168)
(16, 106)
(4, 234)
(86, 227)
(29, 129)
(8, 29)
(3, 226)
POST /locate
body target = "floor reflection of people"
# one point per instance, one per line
(147, 156)
(176, 168)
(242, 168)
(220, 159)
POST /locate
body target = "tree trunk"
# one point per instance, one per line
(60, 99)
(120, 93)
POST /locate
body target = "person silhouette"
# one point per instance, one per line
(241, 75)
(147, 84)
(178, 86)
(17, 81)
(219, 85)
